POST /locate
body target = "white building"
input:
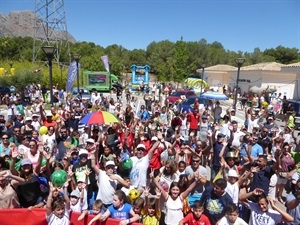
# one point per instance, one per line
(285, 78)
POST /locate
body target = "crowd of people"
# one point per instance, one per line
(157, 165)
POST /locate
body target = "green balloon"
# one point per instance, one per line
(127, 164)
(59, 177)
(44, 161)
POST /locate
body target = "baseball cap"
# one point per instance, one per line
(110, 163)
(83, 151)
(48, 114)
(81, 180)
(232, 173)
(26, 162)
(270, 118)
(75, 193)
(28, 119)
(232, 110)
(154, 138)
(181, 138)
(90, 140)
(204, 117)
(35, 115)
(141, 146)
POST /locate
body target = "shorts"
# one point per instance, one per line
(281, 180)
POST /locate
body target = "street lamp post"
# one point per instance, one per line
(77, 58)
(202, 66)
(49, 52)
(239, 62)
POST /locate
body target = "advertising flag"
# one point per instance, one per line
(72, 73)
(105, 62)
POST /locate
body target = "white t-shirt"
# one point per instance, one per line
(271, 217)
(233, 191)
(54, 220)
(84, 205)
(252, 124)
(77, 207)
(225, 221)
(107, 188)
(236, 138)
(138, 173)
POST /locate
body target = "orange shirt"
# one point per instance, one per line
(49, 124)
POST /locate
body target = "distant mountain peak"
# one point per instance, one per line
(21, 24)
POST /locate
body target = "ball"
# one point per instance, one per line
(59, 177)
(133, 195)
(127, 164)
(43, 130)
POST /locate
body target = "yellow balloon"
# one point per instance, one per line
(43, 130)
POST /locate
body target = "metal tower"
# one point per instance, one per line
(51, 29)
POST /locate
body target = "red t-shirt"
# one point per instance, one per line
(129, 139)
(191, 220)
(155, 160)
(49, 124)
(147, 144)
(194, 119)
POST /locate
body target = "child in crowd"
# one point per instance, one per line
(120, 209)
(96, 210)
(138, 206)
(151, 210)
(58, 210)
(231, 217)
(76, 200)
(196, 216)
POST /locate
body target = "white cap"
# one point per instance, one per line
(81, 180)
(48, 114)
(83, 151)
(75, 193)
(181, 138)
(154, 138)
(90, 140)
(232, 173)
(110, 163)
(35, 115)
(28, 119)
(141, 146)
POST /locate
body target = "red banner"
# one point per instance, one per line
(38, 217)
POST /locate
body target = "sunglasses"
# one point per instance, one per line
(196, 161)
(140, 149)
(5, 138)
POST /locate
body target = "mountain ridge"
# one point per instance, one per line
(21, 24)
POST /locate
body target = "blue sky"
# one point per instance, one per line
(239, 25)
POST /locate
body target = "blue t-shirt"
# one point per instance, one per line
(214, 206)
(256, 150)
(261, 179)
(122, 214)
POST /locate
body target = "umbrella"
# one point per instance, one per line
(214, 96)
(99, 117)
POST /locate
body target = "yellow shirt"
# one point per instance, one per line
(152, 220)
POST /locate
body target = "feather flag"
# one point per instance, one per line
(105, 62)
(72, 74)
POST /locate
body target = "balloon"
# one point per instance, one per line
(44, 161)
(59, 177)
(43, 130)
(127, 164)
(133, 195)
